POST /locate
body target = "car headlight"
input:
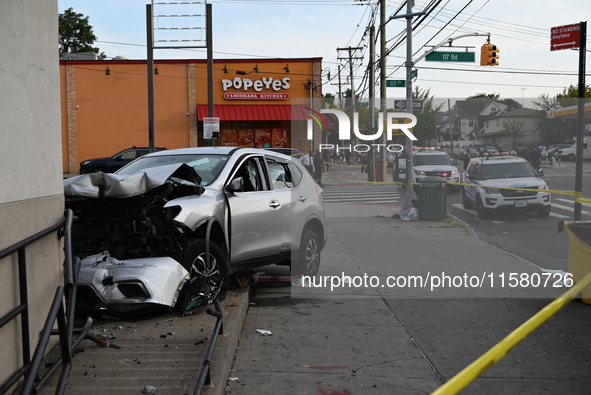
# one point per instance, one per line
(544, 187)
(420, 173)
(492, 191)
(85, 163)
(454, 172)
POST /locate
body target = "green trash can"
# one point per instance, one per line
(432, 198)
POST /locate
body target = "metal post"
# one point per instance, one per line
(371, 104)
(209, 44)
(382, 167)
(581, 121)
(150, 48)
(409, 193)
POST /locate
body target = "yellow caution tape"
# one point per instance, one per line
(492, 356)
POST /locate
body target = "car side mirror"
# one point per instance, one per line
(236, 185)
(540, 172)
(119, 158)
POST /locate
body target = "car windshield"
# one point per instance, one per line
(439, 159)
(507, 170)
(206, 165)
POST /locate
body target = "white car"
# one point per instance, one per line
(435, 163)
(142, 232)
(504, 183)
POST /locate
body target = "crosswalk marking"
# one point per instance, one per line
(554, 214)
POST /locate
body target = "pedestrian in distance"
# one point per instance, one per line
(466, 158)
(308, 164)
(364, 162)
(318, 165)
(536, 158)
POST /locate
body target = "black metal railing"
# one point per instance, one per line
(205, 375)
(64, 315)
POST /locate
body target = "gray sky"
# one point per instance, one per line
(304, 29)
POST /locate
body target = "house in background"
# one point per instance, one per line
(512, 127)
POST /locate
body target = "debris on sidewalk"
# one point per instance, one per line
(264, 332)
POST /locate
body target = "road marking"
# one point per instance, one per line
(572, 202)
(569, 208)
(559, 216)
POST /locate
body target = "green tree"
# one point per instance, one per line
(426, 128)
(75, 34)
(493, 96)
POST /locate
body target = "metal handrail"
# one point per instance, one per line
(64, 316)
(205, 375)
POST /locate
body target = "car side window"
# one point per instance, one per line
(249, 171)
(296, 174)
(280, 175)
(130, 154)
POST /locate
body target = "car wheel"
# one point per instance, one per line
(543, 213)
(99, 168)
(205, 281)
(571, 157)
(467, 203)
(309, 257)
(483, 213)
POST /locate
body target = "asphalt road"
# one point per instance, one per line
(526, 235)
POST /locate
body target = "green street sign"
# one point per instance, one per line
(395, 83)
(414, 73)
(450, 57)
(362, 104)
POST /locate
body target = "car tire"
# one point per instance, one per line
(216, 277)
(308, 261)
(99, 168)
(483, 213)
(571, 157)
(467, 203)
(543, 213)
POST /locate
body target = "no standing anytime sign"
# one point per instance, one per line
(565, 37)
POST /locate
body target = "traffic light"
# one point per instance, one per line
(489, 55)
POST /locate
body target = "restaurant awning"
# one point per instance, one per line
(257, 112)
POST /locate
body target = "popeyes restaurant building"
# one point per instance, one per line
(260, 103)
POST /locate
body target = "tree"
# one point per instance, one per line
(513, 127)
(75, 34)
(426, 128)
(552, 131)
(493, 96)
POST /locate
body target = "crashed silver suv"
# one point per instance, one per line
(142, 232)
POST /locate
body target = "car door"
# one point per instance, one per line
(472, 176)
(255, 213)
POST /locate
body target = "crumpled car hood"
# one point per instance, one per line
(115, 186)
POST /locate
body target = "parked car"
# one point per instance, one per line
(504, 183)
(142, 232)
(113, 163)
(287, 151)
(435, 163)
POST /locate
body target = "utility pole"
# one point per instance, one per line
(383, 169)
(371, 103)
(351, 58)
(340, 90)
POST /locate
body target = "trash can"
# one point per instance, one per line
(432, 198)
(579, 252)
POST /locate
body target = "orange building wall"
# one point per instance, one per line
(103, 114)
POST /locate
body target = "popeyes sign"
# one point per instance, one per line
(266, 88)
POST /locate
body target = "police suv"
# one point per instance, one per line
(433, 162)
(504, 183)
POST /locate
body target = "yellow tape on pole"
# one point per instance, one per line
(472, 371)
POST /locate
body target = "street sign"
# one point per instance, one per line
(362, 104)
(565, 37)
(401, 104)
(440, 56)
(414, 74)
(211, 128)
(395, 83)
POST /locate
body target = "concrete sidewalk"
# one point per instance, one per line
(373, 338)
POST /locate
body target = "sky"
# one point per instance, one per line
(316, 28)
